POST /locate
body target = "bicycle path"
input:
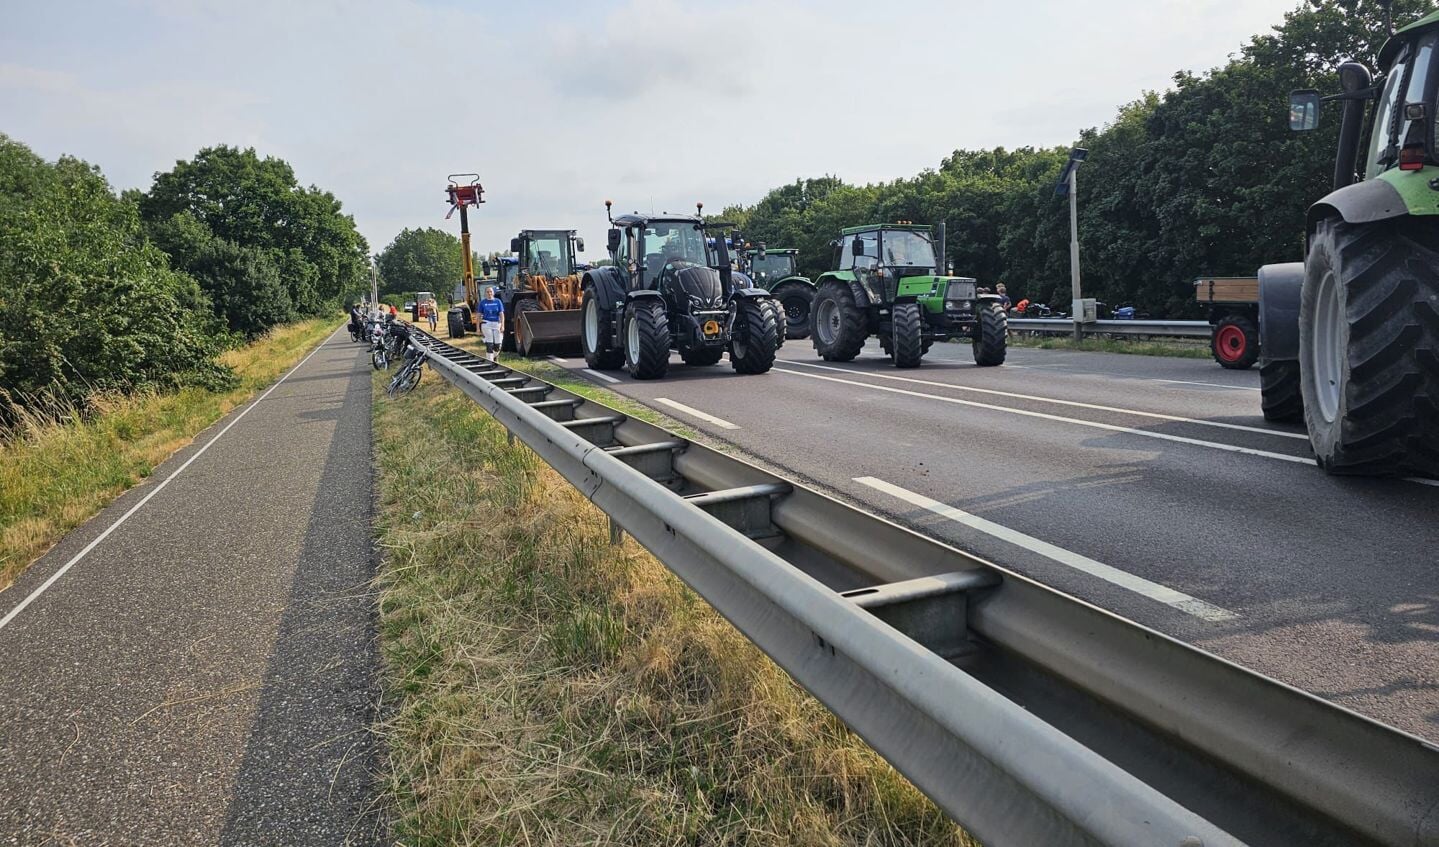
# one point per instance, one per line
(207, 672)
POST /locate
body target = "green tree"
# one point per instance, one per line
(87, 303)
(426, 259)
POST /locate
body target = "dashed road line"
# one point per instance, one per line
(696, 413)
(1137, 584)
(596, 374)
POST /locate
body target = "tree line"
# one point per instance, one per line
(102, 291)
(1204, 179)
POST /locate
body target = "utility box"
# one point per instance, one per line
(1085, 311)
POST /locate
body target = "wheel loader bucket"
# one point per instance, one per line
(552, 333)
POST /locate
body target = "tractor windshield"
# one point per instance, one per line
(549, 254)
(772, 268)
(672, 242)
(902, 248)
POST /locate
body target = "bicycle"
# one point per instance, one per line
(408, 376)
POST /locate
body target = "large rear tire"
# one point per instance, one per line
(1235, 342)
(455, 323)
(796, 298)
(1369, 347)
(524, 342)
(991, 336)
(756, 336)
(1279, 392)
(647, 339)
(837, 325)
(601, 351)
(907, 326)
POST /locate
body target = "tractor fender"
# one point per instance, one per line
(751, 292)
(988, 298)
(793, 281)
(858, 291)
(1361, 203)
(1279, 288)
(643, 294)
(608, 284)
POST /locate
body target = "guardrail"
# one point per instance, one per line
(1027, 715)
(1065, 326)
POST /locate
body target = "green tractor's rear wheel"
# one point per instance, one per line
(907, 340)
(1369, 347)
(647, 339)
(601, 353)
(755, 338)
(796, 299)
(703, 356)
(991, 336)
(837, 325)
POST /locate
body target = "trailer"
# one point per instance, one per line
(1233, 304)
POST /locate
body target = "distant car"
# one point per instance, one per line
(409, 305)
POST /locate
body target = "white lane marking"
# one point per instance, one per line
(557, 360)
(156, 490)
(1241, 427)
(1138, 584)
(595, 373)
(1422, 481)
(1069, 370)
(1162, 436)
(719, 422)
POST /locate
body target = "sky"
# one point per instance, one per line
(559, 105)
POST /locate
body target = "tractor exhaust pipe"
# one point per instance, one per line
(940, 255)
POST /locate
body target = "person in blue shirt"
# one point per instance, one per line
(492, 322)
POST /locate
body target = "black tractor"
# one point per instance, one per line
(661, 294)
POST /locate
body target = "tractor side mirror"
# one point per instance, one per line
(579, 245)
(736, 238)
(856, 247)
(515, 245)
(485, 266)
(1303, 110)
(761, 253)
(614, 241)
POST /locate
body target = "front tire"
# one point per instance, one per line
(1235, 343)
(797, 301)
(907, 327)
(601, 352)
(755, 338)
(837, 325)
(1369, 347)
(991, 335)
(455, 323)
(1280, 396)
(647, 339)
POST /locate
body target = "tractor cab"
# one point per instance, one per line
(767, 267)
(546, 252)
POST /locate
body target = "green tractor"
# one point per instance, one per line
(1350, 336)
(773, 269)
(886, 283)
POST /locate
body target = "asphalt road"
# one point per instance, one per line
(1149, 486)
(207, 672)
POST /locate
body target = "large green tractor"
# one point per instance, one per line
(886, 282)
(1350, 336)
(773, 269)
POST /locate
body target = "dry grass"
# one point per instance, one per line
(548, 688)
(57, 468)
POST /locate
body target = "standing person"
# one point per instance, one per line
(1003, 295)
(433, 313)
(492, 322)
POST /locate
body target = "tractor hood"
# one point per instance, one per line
(696, 281)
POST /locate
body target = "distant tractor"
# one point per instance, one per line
(1233, 304)
(885, 283)
(420, 309)
(773, 269)
(1350, 336)
(542, 300)
(661, 294)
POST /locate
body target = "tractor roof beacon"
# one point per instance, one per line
(1350, 336)
(661, 293)
(887, 282)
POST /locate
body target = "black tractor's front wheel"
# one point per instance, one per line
(755, 337)
(837, 325)
(596, 340)
(647, 339)
(907, 334)
(1369, 347)
(797, 299)
(991, 336)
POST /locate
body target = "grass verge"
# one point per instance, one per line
(547, 688)
(1176, 348)
(54, 475)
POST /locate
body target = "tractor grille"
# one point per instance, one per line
(959, 290)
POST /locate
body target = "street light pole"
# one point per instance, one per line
(1074, 249)
(375, 283)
